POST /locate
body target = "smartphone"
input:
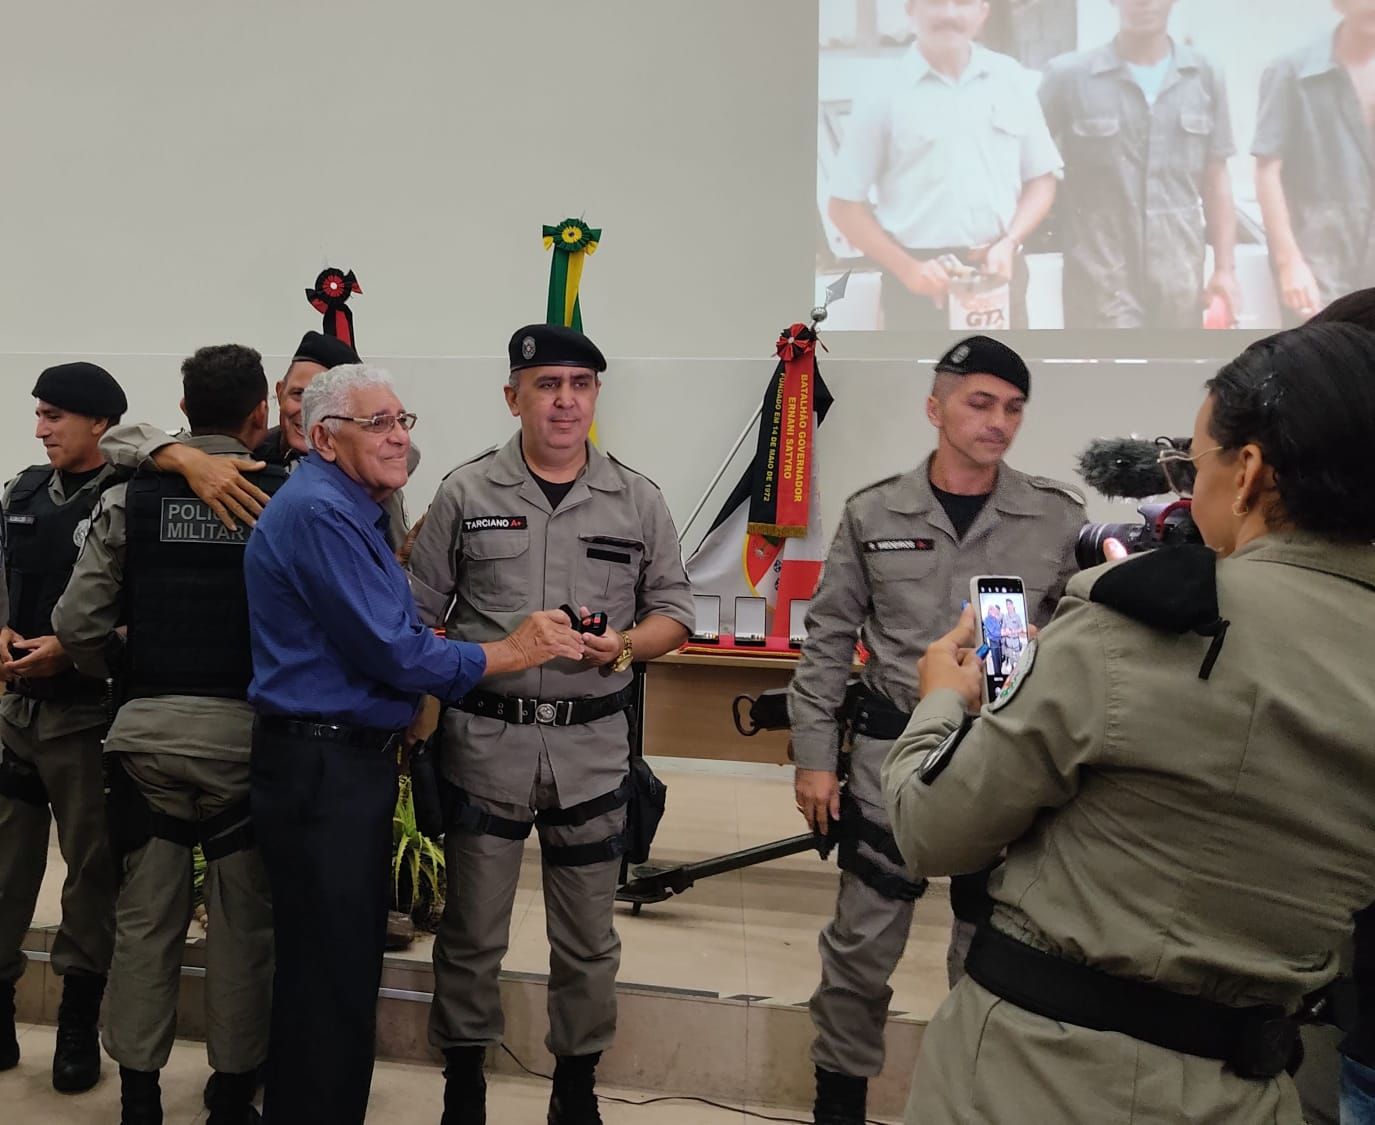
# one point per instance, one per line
(797, 621)
(706, 612)
(1001, 604)
(751, 620)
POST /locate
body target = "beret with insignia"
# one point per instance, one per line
(82, 388)
(983, 355)
(553, 345)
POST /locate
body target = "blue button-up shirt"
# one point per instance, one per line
(334, 627)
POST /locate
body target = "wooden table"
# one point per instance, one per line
(688, 705)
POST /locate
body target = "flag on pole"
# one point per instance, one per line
(571, 241)
(767, 541)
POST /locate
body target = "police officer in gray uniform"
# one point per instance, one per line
(899, 567)
(51, 722)
(544, 521)
(158, 560)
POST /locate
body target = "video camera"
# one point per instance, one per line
(1129, 467)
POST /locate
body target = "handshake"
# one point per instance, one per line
(553, 634)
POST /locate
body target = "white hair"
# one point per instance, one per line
(331, 393)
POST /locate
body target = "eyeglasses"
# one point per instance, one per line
(1179, 465)
(378, 423)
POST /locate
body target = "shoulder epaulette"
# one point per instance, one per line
(490, 451)
(628, 469)
(1047, 484)
(870, 487)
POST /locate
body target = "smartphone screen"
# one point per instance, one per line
(1003, 626)
(707, 614)
(751, 618)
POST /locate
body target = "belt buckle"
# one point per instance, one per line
(546, 713)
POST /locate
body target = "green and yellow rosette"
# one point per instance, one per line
(572, 240)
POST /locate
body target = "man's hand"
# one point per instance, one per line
(952, 663)
(7, 638)
(599, 651)
(543, 636)
(818, 797)
(927, 279)
(1000, 258)
(1299, 288)
(38, 658)
(1224, 284)
(424, 724)
(219, 481)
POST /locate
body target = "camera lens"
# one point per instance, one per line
(1088, 548)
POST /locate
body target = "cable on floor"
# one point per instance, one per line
(673, 1098)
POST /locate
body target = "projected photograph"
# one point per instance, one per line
(1161, 165)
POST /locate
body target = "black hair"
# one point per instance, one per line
(1356, 308)
(1307, 398)
(222, 385)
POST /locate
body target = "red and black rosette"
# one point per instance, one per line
(330, 296)
(795, 342)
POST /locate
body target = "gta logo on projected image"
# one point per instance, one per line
(985, 165)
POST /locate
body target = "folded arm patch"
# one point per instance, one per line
(933, 765)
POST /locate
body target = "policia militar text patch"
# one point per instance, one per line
(192, 521)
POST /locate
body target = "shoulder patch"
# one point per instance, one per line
(1019, 676)
(1047, 484)
(490, 451)
(622, 465)
(933, 765)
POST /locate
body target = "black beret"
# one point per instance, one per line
(983, 355)
(327, 351)
(552, 345)
(82, 388)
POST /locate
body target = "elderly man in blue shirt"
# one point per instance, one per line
(340, 661)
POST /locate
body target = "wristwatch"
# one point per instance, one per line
(626, 655)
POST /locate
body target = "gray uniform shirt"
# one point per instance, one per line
(896, 577)
(50, 719)
(132, 447)
(945, 158)
(196, 726)
(1310, 119)
(1131, 205)
(490, 553)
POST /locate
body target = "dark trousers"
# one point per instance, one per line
(323, 816)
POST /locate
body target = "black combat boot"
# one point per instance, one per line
(76, 1060)
(465, 1086)
(140, 1097)
(9, 1041)
(216, 1077)
(574, 1100)
(229, 1097)
(840, 1099)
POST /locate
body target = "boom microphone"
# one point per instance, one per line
(1125, 467)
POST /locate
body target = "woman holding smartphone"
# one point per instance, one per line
(1181, 771)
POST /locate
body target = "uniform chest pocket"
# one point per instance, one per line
(494, 566)
(608, 574)
(902, 582)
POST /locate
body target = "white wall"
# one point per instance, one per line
(176, 174)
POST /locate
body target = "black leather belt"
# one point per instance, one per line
(366, 738)
(876, 717)
(1257, 1042)
(547, 712)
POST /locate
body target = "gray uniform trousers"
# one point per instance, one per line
(70, 768)
(579, 903)
(861, 946)
(154, 910)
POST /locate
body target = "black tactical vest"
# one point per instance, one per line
(42, 541)
(184, 596)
